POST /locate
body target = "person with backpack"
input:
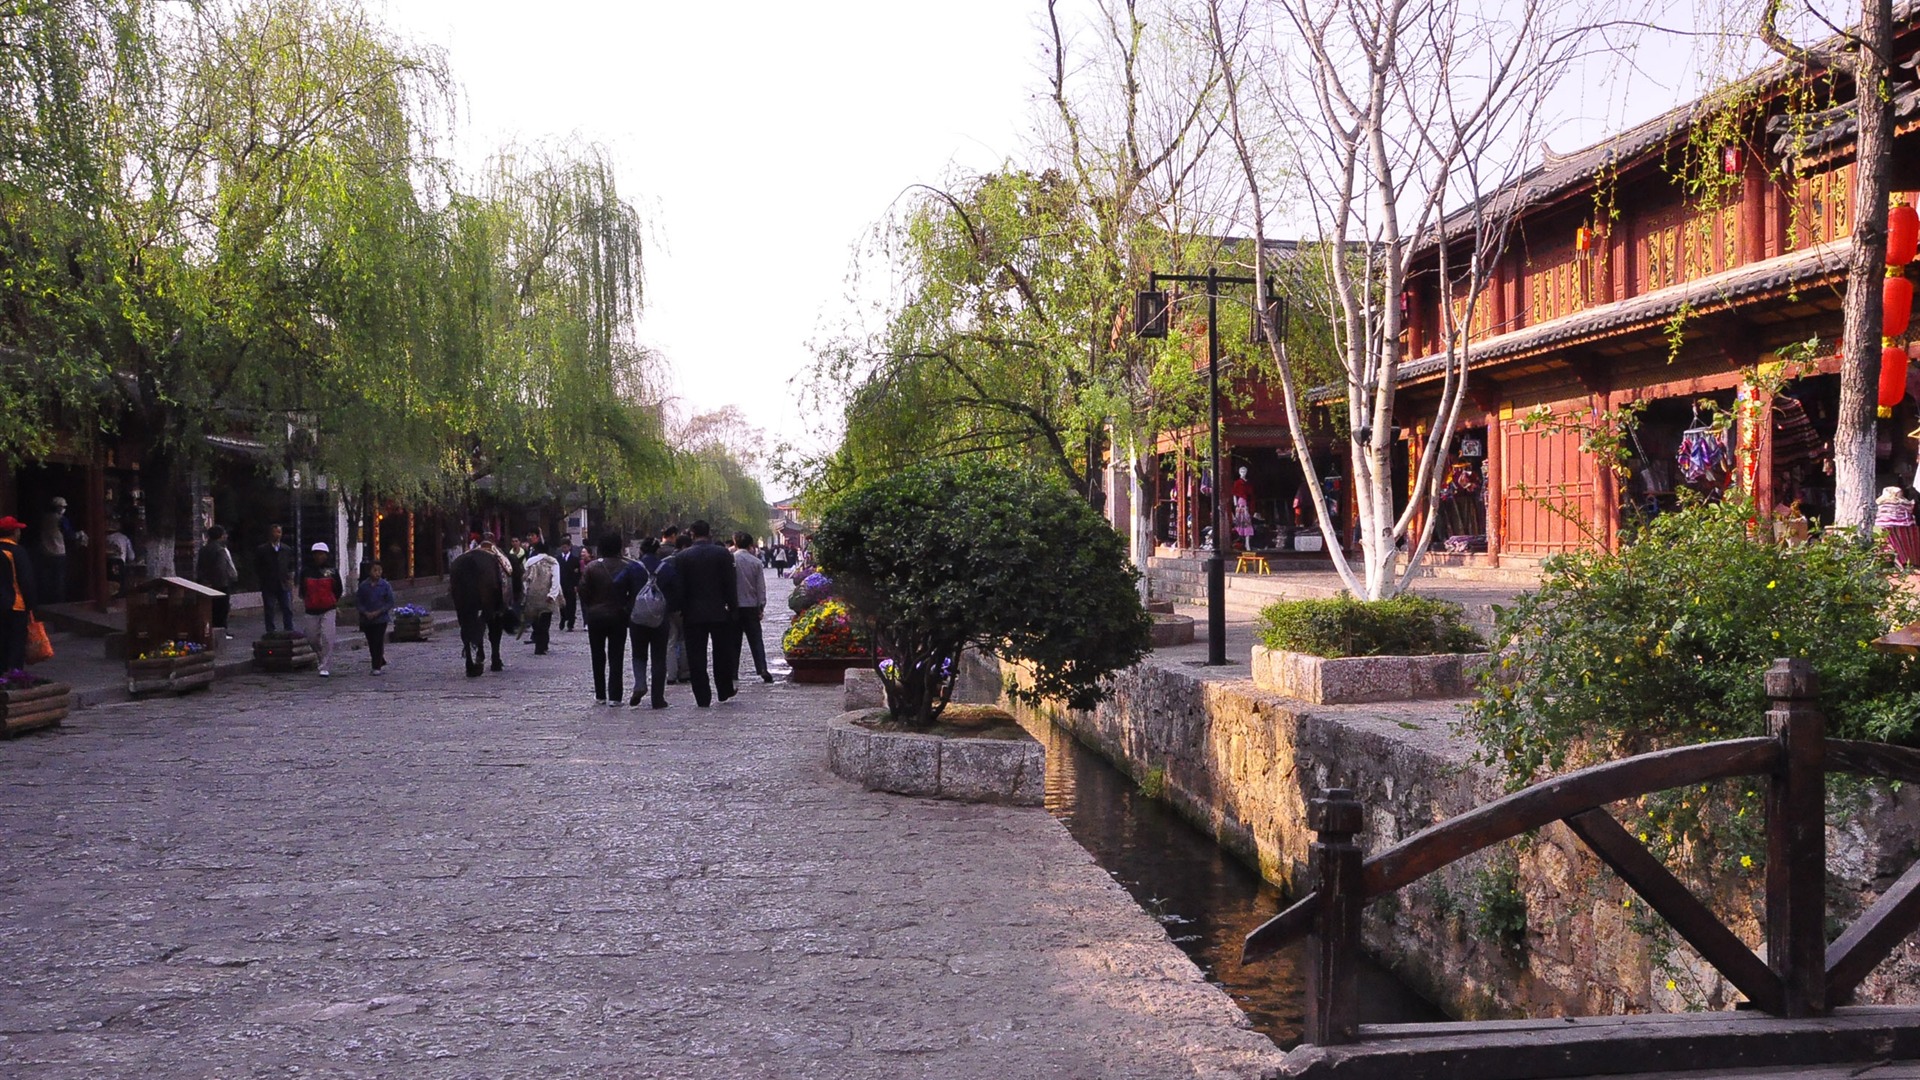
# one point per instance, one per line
(605, 606)
(647, 626)
(542, 594)
(320, 593)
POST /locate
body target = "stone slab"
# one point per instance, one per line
(1358, 680)
(1009, 771)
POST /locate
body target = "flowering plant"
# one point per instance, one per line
(410, 609)
(813, 589)
(172, 650)
(817, 580)
(18, 679)
(826, 629)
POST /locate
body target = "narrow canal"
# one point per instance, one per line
(1207, 899)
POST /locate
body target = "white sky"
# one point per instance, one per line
(761, 140)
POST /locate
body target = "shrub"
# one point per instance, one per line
(1406, 625)
(1665, 641)
(954, 554)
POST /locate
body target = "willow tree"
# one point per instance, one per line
(68, 69)
(1412, 120)
(266, 185)
(547, 289)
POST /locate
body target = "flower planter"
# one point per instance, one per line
(1358, 679)
(823, 670)
(170, 674)
(412, 628)
(31, 708)
(1008, 771)
(284, 650)
(1170, 630)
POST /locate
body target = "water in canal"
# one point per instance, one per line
(1207, 899)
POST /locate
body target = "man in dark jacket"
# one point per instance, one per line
(273, 565)
(16, 595)
(709, 586)
(570, 567)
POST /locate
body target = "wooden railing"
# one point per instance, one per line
(1802, 975)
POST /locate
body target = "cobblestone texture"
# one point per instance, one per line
(428, 876)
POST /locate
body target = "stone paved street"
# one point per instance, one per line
(430, 876)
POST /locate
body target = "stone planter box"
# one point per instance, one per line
(34, 707)
(822, 670)
(283, 650)
(1009, 771)
(1160, 607)
(1169, 630)
(170, 674)
(412, 628)
(1357, 679)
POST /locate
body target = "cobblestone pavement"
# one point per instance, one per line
(429, 876)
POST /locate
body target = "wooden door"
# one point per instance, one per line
(1548, 494)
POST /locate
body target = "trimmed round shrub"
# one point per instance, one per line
(1405, 625)
(953, 554)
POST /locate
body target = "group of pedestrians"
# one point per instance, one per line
(684, 599)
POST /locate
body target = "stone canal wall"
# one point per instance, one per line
(1243, 763)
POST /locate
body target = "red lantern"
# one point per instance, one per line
(1896, 300)
(1903, 234)
(1893, 378)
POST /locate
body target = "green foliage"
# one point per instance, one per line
(953, 554)
(1153, 783)
(1665, 641)
(1405, 625)
(1497, 907)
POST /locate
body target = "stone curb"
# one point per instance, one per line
(1007, 771)
(1358, 680)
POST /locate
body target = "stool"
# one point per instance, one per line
(1249, 559)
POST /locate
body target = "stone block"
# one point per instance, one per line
(1356, 680)
(903, 764)
(847, 751)
(992, 770)
(862, 690)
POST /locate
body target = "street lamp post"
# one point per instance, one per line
(1150, 321)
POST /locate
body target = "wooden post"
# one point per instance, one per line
(1334, 863)
(1797, 840)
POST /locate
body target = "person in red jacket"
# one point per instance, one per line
(320, 593)
(16, 595)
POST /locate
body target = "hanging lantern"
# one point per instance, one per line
(1733, 159)
(1903, 234)
(1583, 241)
(1893, 378)
(1150, 314)
(1896, 305)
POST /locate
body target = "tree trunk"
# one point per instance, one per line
(1853, 441)
(160, 478)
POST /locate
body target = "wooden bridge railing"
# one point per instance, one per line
(1802, 975)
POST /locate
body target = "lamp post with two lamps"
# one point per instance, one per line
(1150, 321)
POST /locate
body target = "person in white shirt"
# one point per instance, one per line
(753, 602)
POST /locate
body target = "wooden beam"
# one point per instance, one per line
(1691, 919)
(1797, 840)
(1877, 932)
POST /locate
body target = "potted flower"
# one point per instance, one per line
(29, 702)
(815, 588)
(174, 666)
(824, 641)
(412, 622)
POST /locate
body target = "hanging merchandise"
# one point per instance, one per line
(1893, 378)
(1702, 453)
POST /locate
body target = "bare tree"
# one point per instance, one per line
(1412, 121)
(1865, 54)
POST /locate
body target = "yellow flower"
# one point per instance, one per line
(1670, 985)
(1771, 584)
(1746, 861)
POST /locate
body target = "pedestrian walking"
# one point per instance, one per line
(570, 564)
(542, 595)
(710, 610)
(273, 566)
(320, 593)
(50, 553)
(752, 588)
(376, 601)
(604, 604)
(16, 595)
(502, 616)
(215, 570)
(517, 572)
(649, 642)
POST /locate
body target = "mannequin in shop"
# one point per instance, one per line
(1243, 509)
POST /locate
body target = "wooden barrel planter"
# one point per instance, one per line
(823, 670)
(170, 674)
(284, 650)
(30, 708)
(412, 628)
